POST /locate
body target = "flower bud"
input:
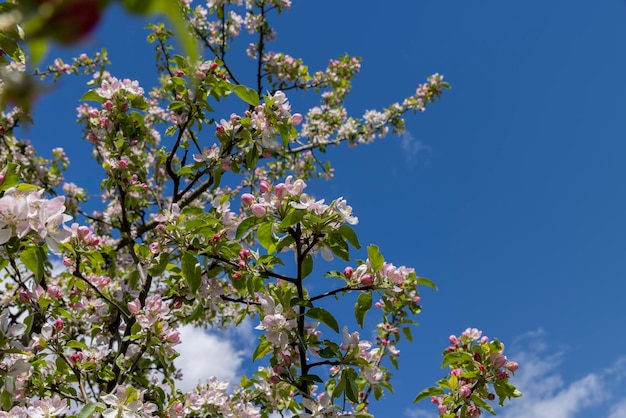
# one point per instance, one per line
(247, 199)
(347, 272)
(258, 210)
(54, 291)
(512, 365)
(367, 280)
(264, 186)
(465, 391)
(296, 118)
(59, 324)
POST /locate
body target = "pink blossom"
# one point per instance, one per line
(258, 210)
(134, 307)
(367, 280)
(465, 391)
(512, 365)
(296, 119)
(247, 199)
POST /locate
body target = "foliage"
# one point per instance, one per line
(199, 225)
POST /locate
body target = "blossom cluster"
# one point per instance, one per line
(479, 372)
(22, 212)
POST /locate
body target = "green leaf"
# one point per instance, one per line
(10, 177)
(424, 281)
(481, 403)
(324, 317)
(428, 393)
(266, 237)
(407, 333)
(340, 388)
(311, 378)
(77, 345)
(159, 264)
(33, 258)
(307, 266)
(252, 158)
(192, 272)
(338, 246)
(6, 398)
(293, 217)
(456, 357)
(363, 304)
(352, 389)
(246, 225)
(91, 95)
(90, 408)
(38, 49)
(247, 94)
(262, 349)
(375, 257)
(348, 233)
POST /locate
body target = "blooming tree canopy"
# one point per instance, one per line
(205, 219)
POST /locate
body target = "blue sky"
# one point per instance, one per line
(508, 193)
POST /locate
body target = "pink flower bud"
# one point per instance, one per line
(280, 190)
(134, 307)
(442, 409)
(174, 337)
(244, 254)
(367, 280)
(453, 340)
(226, 164)
(76, 357)
(264, 186)
(274, 379)
(347, 272)
(258, 210)
(247, 199)
(455, 372)
(154, 248)
(59, 324)
(54, 291)
(497, 359)
(512, 365)
(296, 118)
(465, 391)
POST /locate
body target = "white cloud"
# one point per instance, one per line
(420, 413)
(412, 147)
(618, 410)
(547, 395)
(204, 354)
